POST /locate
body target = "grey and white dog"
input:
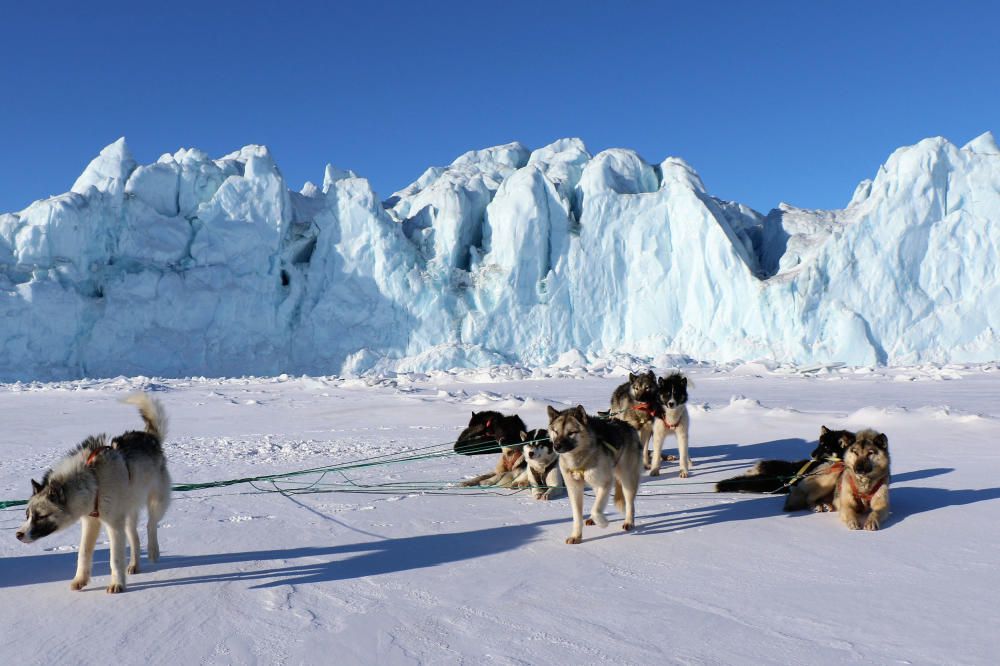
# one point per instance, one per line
(542, 474)
(106, 482)
(671, 419)
(634, 402)
(599, 453)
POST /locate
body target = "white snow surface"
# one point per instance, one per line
(201, 266)
(413, 577)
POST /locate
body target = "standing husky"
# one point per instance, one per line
(599, 453)
(634, 402)
(106, 483)
(671, 418)
(542, 475)
(864, 483)
(815, 490)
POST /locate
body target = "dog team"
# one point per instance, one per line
(847, 472)
(108, 482)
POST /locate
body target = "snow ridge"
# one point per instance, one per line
(200, 266)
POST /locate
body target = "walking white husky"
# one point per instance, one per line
(101, 482)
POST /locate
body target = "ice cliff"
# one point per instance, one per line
(194, 265)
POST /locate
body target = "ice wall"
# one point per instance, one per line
(195, 265)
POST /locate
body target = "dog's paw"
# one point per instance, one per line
(822, 507)
(115, 588)
(573, 540)
(132, 569)
(589, 522)
(683, 474)
(597, 519)
(852, 524)
(871, 524)
(78, 584)
(544, 497)
(627, 526)
(654, 472)
(670, 457)
(646, 465)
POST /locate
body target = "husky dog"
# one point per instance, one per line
(542, 474)
(671, 418)
(598, 453)
(778, 476)
(864, 483)
(634, 402)
(487, 431)
(510, 467)
(815, 490)
(98, 482)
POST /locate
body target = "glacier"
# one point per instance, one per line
(213, 266)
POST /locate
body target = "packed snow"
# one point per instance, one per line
(414, 576)
(202, 266)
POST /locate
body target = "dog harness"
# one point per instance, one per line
(864, 498)
(655, 413)
(91, 459)
(539, 477)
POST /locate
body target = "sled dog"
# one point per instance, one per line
(816, 488)
(542, 474)
(510, 467)
(634, 402)
(779, 476)
(599, 453)
(102, 481)
(487, 431)
(671, 419)
(864, 483)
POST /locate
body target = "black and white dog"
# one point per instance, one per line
(671, 419)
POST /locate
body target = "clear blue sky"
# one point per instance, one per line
(769, 101)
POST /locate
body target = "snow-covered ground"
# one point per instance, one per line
(470, 577)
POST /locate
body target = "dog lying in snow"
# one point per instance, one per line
(542, 474)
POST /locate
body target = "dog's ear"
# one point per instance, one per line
(684, 382)
(882, 441)
(57, 493)
(35, 487)
(823, 430)
(581, 414)
(553, 413)
(524, 436)
(846, 440)
(631, 376)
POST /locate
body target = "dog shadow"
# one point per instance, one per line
(323, 564)
(726, 457)
(713, 514)
(911, 501)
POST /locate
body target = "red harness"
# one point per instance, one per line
(864, 498)
(91, 459)
(645, 408)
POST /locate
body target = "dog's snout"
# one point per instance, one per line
(20, 536)
(671, 404)
(531, 454)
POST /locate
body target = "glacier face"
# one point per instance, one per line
(194, 265)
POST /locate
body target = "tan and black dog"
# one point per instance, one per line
(864, 483)
(600, 453)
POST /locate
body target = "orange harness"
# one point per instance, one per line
(864, 498)
(646, 408)
(91, 459)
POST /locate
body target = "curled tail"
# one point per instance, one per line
(619, 496)
(152, 414)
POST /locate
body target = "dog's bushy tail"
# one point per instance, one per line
(619, 496)
(152, 414)
(751, 484)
